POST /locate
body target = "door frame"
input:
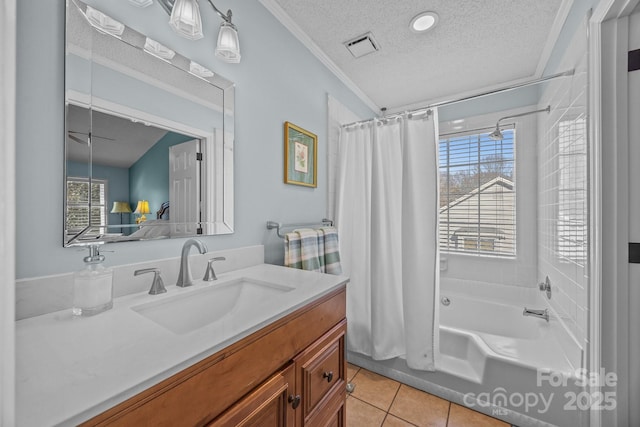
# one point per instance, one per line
(8, 22)
(608, 111)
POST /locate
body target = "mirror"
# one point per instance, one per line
(149, 134)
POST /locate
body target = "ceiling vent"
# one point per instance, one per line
(362, 45)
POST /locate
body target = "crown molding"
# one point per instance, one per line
(279, 13)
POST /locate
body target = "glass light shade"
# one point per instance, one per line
(228, 47)
(142, 208)
(121, 207)
(185, 19)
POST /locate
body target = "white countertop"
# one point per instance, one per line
(71, 369)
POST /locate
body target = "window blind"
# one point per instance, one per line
(79, 210)
(477, 194)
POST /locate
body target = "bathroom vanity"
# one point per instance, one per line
(291, 369)
(277, 360)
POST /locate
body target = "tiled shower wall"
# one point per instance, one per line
(563, 190)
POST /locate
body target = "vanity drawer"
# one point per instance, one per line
(321, 371)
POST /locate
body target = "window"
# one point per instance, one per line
(477, 194)
(78, 206)
(572, 208)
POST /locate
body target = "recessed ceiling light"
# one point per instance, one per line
(423, 22)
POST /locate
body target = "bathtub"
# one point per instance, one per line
(497, 361)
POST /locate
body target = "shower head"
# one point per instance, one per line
(497, 135)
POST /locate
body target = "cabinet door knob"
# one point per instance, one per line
(328, 376)
(294, 400)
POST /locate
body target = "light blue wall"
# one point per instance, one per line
(490, 104)
(149, 176)
(278, 80)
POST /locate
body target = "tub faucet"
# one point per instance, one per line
(542, 314)
(184, 277)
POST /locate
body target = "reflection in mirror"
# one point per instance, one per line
(132, 164)
(149, 136)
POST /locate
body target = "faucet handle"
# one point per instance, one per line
(157, 287)
(210, 275)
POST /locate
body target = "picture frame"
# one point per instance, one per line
(300, 156)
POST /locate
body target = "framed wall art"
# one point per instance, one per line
(300, 156)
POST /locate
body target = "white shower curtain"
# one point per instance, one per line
(386, 214)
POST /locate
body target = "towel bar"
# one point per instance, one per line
(278, 226)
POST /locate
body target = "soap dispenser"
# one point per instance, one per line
(93, 285)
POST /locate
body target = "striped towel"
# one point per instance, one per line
(292, 256)
(301, 250)
(313, 250)
(331, 250)
(309, 250)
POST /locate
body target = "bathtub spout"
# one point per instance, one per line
(542, 314)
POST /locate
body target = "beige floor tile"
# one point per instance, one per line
(465, 417)
(375, 389)
(420, 408)
(392, 421)
(352, 370)
(361, 414)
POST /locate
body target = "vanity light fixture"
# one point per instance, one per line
(423, 22)
(142, 209)
(186, 21)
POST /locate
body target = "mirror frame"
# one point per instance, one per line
(218, 146)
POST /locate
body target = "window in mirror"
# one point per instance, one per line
(79, 210)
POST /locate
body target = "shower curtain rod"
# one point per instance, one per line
(470, 97)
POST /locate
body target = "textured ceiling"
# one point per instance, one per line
(476, 44)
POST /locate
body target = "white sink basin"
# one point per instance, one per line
(196, 308)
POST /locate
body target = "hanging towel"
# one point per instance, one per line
(331, 249)
(313, 250)
(292, 256)
(309, 253)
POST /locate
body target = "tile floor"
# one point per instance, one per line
(378, 401)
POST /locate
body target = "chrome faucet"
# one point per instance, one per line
(542, 314)
(184, 277)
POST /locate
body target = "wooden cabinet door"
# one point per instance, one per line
(332, 413)
(267, 406)
(320, 374)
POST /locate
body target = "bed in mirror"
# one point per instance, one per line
(149, 133)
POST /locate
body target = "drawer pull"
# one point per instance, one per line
(294, 400)
(328, 376)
